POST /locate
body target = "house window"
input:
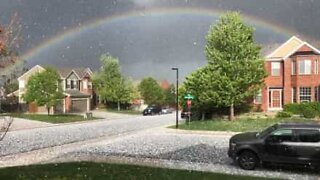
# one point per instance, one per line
(316, 66)
(85, 85)
(89, 85)
(316, 94)
(68, 84)
(294, 95)
(305, 67)
(305, 94)
(275, 68)
(258, 98)
(72, 84)
(293, 67)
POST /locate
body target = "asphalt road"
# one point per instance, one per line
(133, 140)
(33, 139)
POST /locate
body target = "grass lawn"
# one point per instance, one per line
(88, 170)
(239, 125)
(63, 118)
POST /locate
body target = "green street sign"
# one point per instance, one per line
(188, 96)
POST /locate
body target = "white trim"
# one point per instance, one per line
(277, 108)
(293, 37)
(270, 58)
(30, 70)
(274, 59)
(73, 71)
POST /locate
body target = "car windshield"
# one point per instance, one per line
(266, 131)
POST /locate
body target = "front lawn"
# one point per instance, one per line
(61, 118)
(88, 170)
(239, 125)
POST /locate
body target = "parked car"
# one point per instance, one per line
(288, 143)
(185, 114)
(152, 110)
(166, 110)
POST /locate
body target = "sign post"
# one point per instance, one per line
(189, 99)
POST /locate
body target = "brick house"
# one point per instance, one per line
(293, 76)
(77, 88)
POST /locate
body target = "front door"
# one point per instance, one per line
(275, 99)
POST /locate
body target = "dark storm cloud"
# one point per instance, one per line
(146, 45)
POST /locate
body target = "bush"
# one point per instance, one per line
(283, 114)
(293, 108)
(308, 112)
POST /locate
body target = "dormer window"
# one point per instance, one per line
(305, 67)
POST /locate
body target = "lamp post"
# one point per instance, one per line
(177, 94)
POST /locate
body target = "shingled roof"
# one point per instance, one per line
(80, 72)
(288, 48)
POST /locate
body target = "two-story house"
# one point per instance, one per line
(76, 84)
(293, 75)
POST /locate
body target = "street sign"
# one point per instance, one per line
(189, 96)
(189, 102)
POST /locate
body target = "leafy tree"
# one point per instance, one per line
(10, 40)
(110, 84)
(151, 91)
(170, 96)
(235, 66)
(44, 89)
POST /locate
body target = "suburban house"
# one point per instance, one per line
(76, 84)
(293, 75)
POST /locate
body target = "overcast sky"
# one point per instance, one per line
(149, 44)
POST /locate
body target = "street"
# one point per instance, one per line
(141, 140)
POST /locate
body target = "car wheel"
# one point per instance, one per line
(248, 160)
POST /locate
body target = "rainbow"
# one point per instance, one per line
(149, 12)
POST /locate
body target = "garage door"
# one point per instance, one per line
(79, 105)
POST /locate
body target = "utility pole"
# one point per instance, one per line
(177, 95)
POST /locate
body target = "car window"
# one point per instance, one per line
(282, 135)
(308, 135)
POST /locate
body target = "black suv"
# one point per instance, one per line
(152, 110)
(288, 143)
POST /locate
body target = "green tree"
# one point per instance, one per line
(170, 97)
(110, 84)
(236, 68)
(44, 89)
(151, 91)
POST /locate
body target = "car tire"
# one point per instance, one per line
(248, 160)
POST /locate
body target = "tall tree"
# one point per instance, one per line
(44, 89)
(11, 66)
(110, 84)
(151, 91)
(170, 96)
(236, 69)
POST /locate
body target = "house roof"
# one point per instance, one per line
(80, 72)
(36, 68)
(288, 48)
(76, 93)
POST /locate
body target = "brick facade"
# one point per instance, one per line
(278, 89)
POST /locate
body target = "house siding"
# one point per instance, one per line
(286, 81)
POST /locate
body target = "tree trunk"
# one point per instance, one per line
(48, 109)
(203, 116)
(118, 106)
(231, 115)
